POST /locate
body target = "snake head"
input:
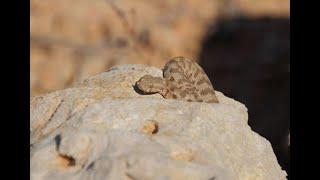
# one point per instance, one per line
(150, 84)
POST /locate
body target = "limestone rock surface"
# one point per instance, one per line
(102, 128)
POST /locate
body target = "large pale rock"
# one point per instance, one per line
(102, 128)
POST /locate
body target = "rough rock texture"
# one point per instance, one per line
(102, 128)
(71, 40)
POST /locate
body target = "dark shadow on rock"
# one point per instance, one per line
(57, 140)
(249, 60)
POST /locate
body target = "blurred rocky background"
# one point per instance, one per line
(243, 45)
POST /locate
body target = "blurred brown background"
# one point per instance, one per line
(243, 45)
